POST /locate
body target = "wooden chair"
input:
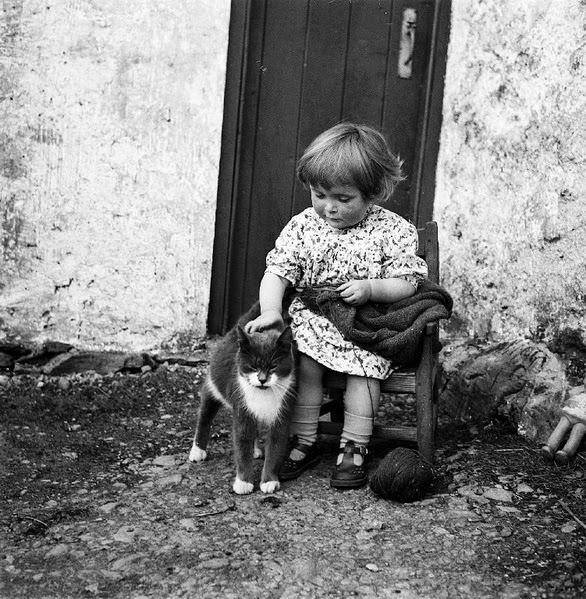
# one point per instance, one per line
(421, 381)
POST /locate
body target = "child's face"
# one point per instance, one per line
(341, 206)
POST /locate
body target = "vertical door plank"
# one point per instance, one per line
(323, 79)
(402, 110)
(428, 156)
(280, 67)
(241, 198)
(229, 161)
(366, 67)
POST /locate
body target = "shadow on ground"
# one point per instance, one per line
(97, 499)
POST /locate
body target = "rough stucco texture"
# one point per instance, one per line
(511, 185)
(110, 127)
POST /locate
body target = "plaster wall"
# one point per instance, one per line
(511, 185)
(110, 127)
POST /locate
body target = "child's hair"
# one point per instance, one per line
(351, 154)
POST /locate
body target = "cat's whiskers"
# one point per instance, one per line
(265, 403)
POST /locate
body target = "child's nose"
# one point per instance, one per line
(331, 207)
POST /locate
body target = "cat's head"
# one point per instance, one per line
(265, 358)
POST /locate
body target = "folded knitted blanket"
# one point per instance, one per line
(394, 331)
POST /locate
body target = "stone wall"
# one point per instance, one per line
(110, 125)
(511, 187)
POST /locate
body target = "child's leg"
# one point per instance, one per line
(563, 456)
(556, 437)
(304, 421)
(360, 406)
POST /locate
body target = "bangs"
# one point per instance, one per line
(354, 155)
(341, 164)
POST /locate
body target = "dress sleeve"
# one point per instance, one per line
(402, 261)
(287, 257)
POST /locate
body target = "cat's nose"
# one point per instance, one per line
(263, 377)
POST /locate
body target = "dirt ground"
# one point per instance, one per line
(97, 499)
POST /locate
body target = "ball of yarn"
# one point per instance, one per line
(402, 475)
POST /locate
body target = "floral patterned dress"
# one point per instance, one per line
(309, 253)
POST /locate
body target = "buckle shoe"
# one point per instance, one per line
(347, 474)
(293, 468)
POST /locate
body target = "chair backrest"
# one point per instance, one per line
(428, 249)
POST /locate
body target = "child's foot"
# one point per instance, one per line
(547, 453)
(562, 458)
(301, 457)
(351, 467)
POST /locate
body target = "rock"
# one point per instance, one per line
(123, 563)
(523, 488)
(215, 564)
(107, 508)
(183, 359)
(125, 534)
(166, 461)
(63, 383)
(4, 380)
(100, 362)
(521, 381)
(6, 360)
(188, 524)
(57, 551)
(498, 494)
(169, 481)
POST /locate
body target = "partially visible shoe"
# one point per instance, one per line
(348, 475)
(293, 468)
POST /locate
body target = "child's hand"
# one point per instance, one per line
(355, 293)
(267, 320)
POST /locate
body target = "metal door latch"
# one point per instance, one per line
(408, 25)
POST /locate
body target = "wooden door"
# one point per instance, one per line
(295, 68)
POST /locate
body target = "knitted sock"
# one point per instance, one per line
(357, 429)
(304, 424)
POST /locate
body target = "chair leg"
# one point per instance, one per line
(425, 388)
(425, 423)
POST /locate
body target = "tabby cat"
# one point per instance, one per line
(253, 374)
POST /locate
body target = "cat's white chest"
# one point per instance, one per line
(265, 403)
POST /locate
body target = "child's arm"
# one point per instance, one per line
(384, 291)
(270, 295)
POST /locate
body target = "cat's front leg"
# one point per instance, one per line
(275, 452)
(243, 436)
(208, 408)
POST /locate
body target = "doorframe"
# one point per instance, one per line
(236, 78)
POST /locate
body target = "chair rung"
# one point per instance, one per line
(401, 381)
(389, 433)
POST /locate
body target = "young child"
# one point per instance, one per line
(364, 252)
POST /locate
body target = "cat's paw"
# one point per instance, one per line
(270, 486)
(197, 454)
(241, 487)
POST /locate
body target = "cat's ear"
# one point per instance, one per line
(243, 339)
(286, 337)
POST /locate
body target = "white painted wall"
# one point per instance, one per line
(511, 186)
(110, 126)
